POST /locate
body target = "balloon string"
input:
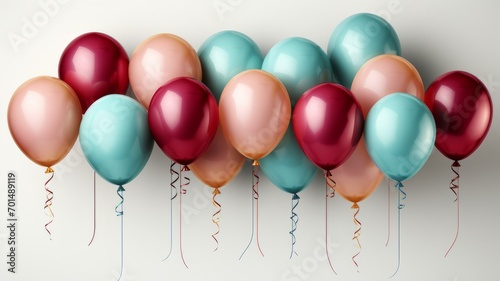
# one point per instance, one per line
(216, 216)
(182, 192)
(295, 219)
(455, 187)
(174, 177)
(94, 212)
(328, 188)
(119, 213)
(330, 183)
(255, 208)
(357, 233)
(400, 186)
(388, 211)
(48, 203)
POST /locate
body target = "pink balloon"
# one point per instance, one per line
(384, 75)
(159, 59)
(219, 164)
(44, 118)
(183, 118)
(358, 177)
(254, 112)
(328, 123)
(94, 65)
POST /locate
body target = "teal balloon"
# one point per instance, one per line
(399, 134)
(357, 39)
(115, 138)
(299, 64)
(287, 166)
(225, 54)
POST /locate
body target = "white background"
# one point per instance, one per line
(436, 36)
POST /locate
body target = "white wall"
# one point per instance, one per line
(436, 36)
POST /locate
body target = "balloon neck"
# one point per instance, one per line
(120, 188)
(399, 184)
(185, 168)
(49, 170)
(455, 164)
(216, 191)
(355, 205)
(295, 196)
(255, 162)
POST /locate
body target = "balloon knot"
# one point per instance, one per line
(355, 206)
(295, 196)
(216, 191)
(49, 170)
(399, 184)
(185, 168)
(255, 162)
(456, 164)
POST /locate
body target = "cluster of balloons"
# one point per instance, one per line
(358, 110)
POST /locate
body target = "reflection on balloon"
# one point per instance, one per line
(357, 39)
(94, 65)
(225, 54)
(300, 64)
(384, 75)
(157, 60)
(44, 117)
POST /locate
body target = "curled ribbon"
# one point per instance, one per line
(455, 187)
(357, 233)
(399, 186)
(295, 219)
(119, 213)
(216, 216)
(330, 183)
(48, 203)
(330, 193)
(174, 177)
(182, 192)
(94, 213)
(388, 211)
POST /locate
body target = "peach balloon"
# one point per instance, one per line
(157, 60)
(44, 116)
(358, 177)
(384, 75)
(219, 164)
(254, 111)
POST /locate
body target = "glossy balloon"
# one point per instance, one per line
(358, 177)
(463, 110)
(94, 65)
(357, 39)
(300, 64)
(157, 60)
(400, 134)
(384, 75)
(255, 112)
(287, 167)
(115, 138)
(217, 166)
(183, 117)
(225, 54)
(44, 117)
(328, 123)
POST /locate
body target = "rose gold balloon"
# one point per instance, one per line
(219, 164)
(254, 111)
(384, 75)
(358, 177)
(159, 59)
(44, 118)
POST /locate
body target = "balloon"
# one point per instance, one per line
(358, 177)
(94, 65)
(328, 123)
(115, 138)
(183, 118)
(225, 54)
(462, 108)
(219, 164)
(255, 112)
(357, 39)
(300, 64)
(384, 75)
(287, 166)
(44, 116)
(157, 60)
(399, 134)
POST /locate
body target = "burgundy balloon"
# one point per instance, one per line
(328, 124)
(463, 110)
(183, 117)
(94, 65)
